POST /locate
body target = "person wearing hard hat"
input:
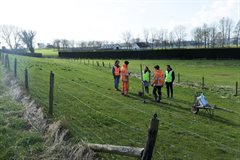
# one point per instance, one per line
(157, 83)
(125, 78)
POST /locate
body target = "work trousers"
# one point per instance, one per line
(157, 89)
(125, 86)
(116, 81)
(169, 86)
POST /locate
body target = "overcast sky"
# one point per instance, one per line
(108, 19)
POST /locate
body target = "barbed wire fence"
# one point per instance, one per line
(88, 115)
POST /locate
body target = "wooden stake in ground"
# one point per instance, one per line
(152, 136)
(26, 79)
(51, 87)
(142, 83)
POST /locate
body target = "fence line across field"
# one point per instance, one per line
(90, 117)
(114, 119)
(199, 136)
(193, 133)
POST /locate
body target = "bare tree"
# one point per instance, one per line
(27, 38)
(153, 36)
(10, 35)
(65, 43)
(212, 35)
(237, 33)
(56, 44)
(146, 35)
(127, 36)
(205, 34)
(180, 33)
(197, 36)
(160, 35)
(229, 28)
(171, 39)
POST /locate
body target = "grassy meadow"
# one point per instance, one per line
(85, 100)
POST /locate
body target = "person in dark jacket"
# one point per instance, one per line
(169, 79)
(116, 74)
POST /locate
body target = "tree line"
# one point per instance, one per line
(224, 33)
(17, 38)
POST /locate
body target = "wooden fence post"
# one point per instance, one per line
(103, 64)
(15, 67)
(51, 87)
(5, 61)
(203, 82)
(236, 88)
(109, 65)
(178, 77)
(26, 78)
(152, 135)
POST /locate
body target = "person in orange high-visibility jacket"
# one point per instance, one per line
(116, 74)
(125, 78)
(157, 83)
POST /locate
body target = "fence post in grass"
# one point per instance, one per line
(51, 87)
(97, 63)
(5, 61)
(236, 88)
(151, 139)
(178, 77)
(26, 78)
(109, 65)
(203, 82)
(15, 67)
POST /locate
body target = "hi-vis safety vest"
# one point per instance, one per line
(168, 77)
(116, 71)
(146, 76)
(124, 73)
(158, 78)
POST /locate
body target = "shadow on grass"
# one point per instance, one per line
(173, 105)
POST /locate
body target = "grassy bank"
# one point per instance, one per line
(17, 139)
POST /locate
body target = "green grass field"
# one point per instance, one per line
(48, 52)
(85, 100)
(17, 139)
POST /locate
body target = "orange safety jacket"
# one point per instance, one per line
(158, 79)
(116, 71)
(124, 73)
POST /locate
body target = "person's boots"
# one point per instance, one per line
(158, 99)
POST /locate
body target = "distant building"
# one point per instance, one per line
(41, 45)
(111, 47)
(140, 46)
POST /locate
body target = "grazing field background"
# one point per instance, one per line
(85, 100)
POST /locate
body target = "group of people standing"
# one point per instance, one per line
(160, 78)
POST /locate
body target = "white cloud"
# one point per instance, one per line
(218, 9)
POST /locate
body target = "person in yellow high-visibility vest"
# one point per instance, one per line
(146, 79)
(157, 83)
(125, 78)
(169, 79)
